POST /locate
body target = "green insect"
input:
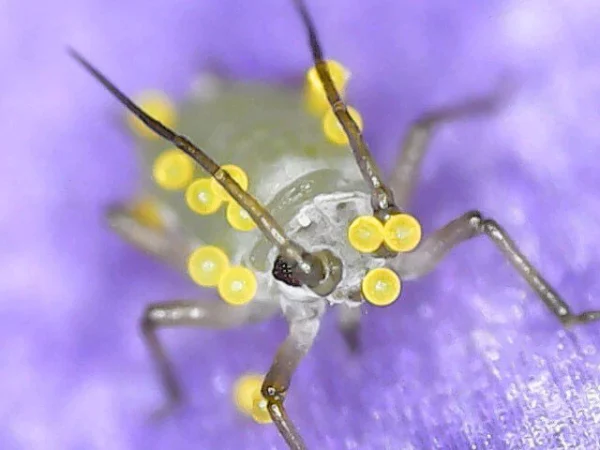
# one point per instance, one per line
(298, 218)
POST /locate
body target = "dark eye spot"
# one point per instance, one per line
(282, 271)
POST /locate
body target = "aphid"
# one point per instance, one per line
(298, 217)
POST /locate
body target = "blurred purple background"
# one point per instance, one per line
(468, 358)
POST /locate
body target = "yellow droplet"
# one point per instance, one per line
(235, 172)
(334, 131)
(159, 107)
(260, 413)
(314, 93)
(200, 197)
(237, 286)
(147, 212)
(173, 170)
(206, 265)
(402, 233)
(365, 234)
(238, 218)
(244, 391)
(381, 286)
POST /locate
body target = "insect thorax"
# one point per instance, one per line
(311, 187)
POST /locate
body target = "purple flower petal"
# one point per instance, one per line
(468, 358)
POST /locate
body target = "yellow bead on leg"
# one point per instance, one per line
(314, 94)
(260, 413)
(248, 399)
(235, 172)
(402, 233)
(201, 198)
(173, 170)
(237, 286)
(365, 234)
(334, 131)
(206, 265)
(157, 105)
(381, 287)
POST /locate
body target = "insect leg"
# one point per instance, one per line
(167, 244)
(434, 248)
(183, 313)
(277, 381)
(349, 325)
(416, 142)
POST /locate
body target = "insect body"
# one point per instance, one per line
(307, 183)
(294, 216)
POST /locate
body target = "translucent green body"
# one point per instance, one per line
(267, 132)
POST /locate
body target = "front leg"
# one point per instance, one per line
(435, 247)
(277, 381)
(183, 313)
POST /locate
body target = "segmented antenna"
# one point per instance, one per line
(311, 267)
(382, 198)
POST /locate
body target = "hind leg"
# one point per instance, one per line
(416, 143)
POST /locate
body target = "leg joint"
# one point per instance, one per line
(148, 319)
(481, 225)
(272, 393)
(475, 219)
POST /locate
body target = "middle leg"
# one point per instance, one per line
(182, 313)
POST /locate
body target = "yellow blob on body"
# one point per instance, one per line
(249, 400)
(333, 129)
(235, 172)
(173, 170)
(238, 218)
(201, 198)
(314, 93)
(147, 212)
(157, 105)
(206, 265)
(237, 286)
(365, 234)
(381, 286)
(402, 233)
